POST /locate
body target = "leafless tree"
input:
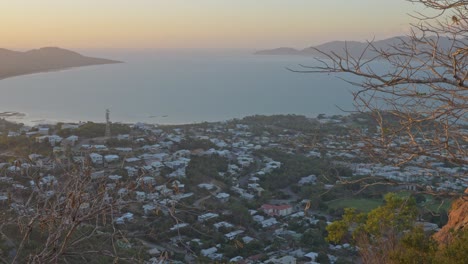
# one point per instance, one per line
(419, 100)
(416, 91)
(56, 220)
(72, 218)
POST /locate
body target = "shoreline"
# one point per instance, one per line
(56, 70)
(22, 118)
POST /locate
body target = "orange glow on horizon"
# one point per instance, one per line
(198, 24)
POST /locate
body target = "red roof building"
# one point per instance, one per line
(277, 210)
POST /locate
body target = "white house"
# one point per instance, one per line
(43, 130)
(13, 134)
(32, 133)
(131, 171)
(111, 158)
(223, 197)
(48, 180)
(126, 217)
(178, 226)
(207, 186)
(53, 140)
(147, 208)
(312, 255)
(223, 224)
(233, 234)
(115, 177)
(207, 216)
(96, 158)
(124, 150)
(70, 126)
(140, 196)
(34, 156)
(71, 140)
(269, 222)
(208, 251)
(311, 179)
(123, 137)
(148, 180)
(236, 259)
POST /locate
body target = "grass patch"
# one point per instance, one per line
(436, 206)
(431, 204)
(364, 205)
(403, 194)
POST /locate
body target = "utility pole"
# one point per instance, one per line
(108, 131)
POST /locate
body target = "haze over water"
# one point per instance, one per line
(176, 86)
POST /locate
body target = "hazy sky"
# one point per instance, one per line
(197, 23)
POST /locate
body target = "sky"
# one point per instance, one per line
(147, 24)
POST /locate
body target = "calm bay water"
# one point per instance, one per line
(169, 87)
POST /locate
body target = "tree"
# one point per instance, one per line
(70, 219)
(414, 247)
(419, 101)
(455, 252)
(389, 234)
(376, 234)
(416, 90)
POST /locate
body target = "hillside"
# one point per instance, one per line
(14, 63)
(355, 48)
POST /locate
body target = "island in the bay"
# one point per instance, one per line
(366, 49)
(16, 63)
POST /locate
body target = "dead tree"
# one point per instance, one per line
(419, 101)
(65, 220)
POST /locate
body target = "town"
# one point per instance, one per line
(261, 189)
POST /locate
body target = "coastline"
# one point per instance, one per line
(57, 70)
(25, 119)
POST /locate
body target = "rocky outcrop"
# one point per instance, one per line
(458, 220)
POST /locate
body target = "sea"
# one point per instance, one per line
(175, 87)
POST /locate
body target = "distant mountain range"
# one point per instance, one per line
(355, 48)
(14, 63)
